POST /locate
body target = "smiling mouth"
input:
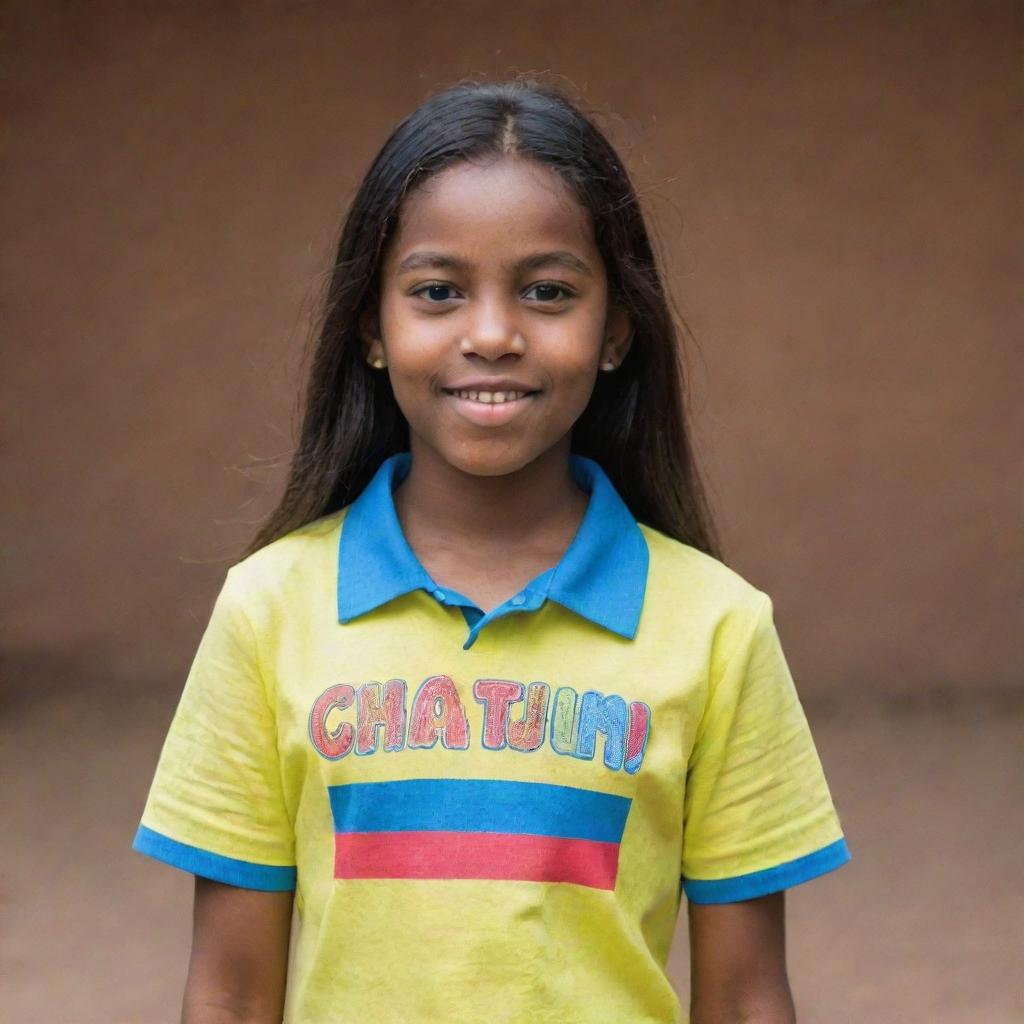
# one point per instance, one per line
(490, 397)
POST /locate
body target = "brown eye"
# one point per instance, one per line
(434, 292)
(551, 292)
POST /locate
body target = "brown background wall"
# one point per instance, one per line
(835, 187)
(833, 184)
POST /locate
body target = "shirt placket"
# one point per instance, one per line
(529, 599)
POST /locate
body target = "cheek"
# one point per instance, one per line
(572, 361)
(413, 349)
(410, 391)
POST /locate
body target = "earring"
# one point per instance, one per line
(608, 366)
(378, 363)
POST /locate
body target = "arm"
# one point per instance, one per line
(738, 963)
(239, 960)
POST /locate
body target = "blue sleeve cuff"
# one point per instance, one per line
(761, 883)
(242, 873)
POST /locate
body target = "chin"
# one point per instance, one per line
(485, 458)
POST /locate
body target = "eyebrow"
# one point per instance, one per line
(444, 261)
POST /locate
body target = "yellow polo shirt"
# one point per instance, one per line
(489, 817)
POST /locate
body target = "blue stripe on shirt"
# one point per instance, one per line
(761, 883)
(242, 873)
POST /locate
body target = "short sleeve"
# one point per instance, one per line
(758, 816)
(216, 805)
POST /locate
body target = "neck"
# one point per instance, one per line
(537, 506)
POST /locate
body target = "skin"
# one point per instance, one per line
(486, 509)
(738, 963)
(240, 940)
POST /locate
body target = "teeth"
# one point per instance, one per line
(491, 397)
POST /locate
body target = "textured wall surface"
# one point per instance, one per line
(832, 184)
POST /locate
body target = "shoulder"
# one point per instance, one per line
(691, 594)
(682, 572)
(298, 564)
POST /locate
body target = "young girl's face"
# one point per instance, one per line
(493, 285)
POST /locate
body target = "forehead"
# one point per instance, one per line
(509, 203)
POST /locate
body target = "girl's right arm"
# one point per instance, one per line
(239, 959)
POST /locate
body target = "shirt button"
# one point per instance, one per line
(439, 594)
(519, 599)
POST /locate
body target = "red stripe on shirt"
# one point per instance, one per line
(493, 855)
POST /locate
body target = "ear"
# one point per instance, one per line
(618, 335)
(369, 334)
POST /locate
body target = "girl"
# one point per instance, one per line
(481, 697)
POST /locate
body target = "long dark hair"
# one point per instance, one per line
(635, 425)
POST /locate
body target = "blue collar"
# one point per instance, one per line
(602, 575)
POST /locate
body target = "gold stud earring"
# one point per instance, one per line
(378, 363)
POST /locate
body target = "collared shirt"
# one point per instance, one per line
(602, 575)
(497, 827)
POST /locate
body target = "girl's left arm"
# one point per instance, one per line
(738, 963)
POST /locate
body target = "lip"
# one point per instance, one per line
(490, 414)
(490, 384)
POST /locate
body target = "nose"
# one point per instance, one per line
(493, 330)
